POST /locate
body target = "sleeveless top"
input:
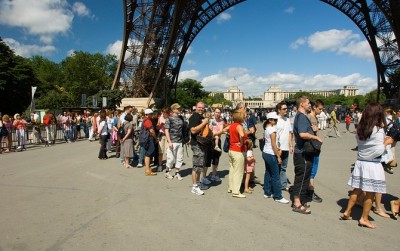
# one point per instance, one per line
(235, 138)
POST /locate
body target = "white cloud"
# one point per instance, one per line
(190, 62)
(45, 18)
(71, 53)
(193, 74)
(27, 51)
(289, 10)
(223, 17)
(253, 85)
(189, 50)
(114, 48)
(299, 42)
(81, 10)
(338, 41)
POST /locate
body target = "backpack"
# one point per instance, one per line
(205, 137)
(185, 131)
(144, 137)
(394, 130)
(3, 131)
(121, 131)
(227, 143)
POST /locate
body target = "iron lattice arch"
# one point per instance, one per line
(158, 33)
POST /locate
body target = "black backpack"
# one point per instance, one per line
(185, 131)
(121, 131)
(144, 137)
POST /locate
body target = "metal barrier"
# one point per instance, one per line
(29, 135)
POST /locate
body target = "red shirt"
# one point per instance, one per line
(147, 123)
(234, 139)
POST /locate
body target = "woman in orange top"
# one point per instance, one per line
(237, 149)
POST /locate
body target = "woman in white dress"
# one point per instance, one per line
(368, 175)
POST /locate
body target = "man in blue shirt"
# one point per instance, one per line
(302, 130)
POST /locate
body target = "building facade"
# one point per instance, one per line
(273, 95)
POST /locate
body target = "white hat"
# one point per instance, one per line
(272, 115)
(148, 111)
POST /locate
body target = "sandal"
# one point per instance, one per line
(344, 217)
(382, 214)
(248, 191)
(392, 204)
(301, 209)
(150, 174)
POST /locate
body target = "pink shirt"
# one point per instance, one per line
(20, 124)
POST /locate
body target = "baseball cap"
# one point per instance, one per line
(272, 115)
(148, 111)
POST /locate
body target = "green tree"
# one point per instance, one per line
(189, 92)
(394, 80)
(88, 74)
(217, 99)
(48, 73)
(55, 99)
(114, 98)
(16, 79)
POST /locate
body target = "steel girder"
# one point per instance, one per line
(379, 22)
(158, 33)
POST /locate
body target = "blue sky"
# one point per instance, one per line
(293, 44)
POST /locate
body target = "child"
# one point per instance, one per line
(216, 127)
(211, 125)
(250, 163)
(348, 121)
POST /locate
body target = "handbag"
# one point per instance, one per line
(226, 144)
(394, 131)
(205, 136)
(312, 147)
(3, 131)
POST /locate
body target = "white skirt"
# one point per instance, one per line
(368, 176)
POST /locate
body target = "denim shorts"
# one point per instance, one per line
(150, 150)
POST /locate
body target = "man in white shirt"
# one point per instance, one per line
(285, 137)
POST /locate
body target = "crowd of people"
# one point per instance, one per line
(144, 138)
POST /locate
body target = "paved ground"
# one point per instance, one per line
(64, 198)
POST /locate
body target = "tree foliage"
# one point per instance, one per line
(114, 98)
(217, 99)
(16, 79)
(394, 80)
(189, 92)
(88, 74)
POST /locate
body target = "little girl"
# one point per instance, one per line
(250, 163)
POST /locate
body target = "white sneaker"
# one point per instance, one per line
(196, 190)
(168, 176)
(283, 201)
(215, 178)
(139, 165)
(206, 181)
(178, 176)
(267, 196)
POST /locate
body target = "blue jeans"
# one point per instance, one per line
(271, 176)
(67, 135)
(314, 167)
(282, 169)
(141, 155)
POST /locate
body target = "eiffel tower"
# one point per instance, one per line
(158, 33)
